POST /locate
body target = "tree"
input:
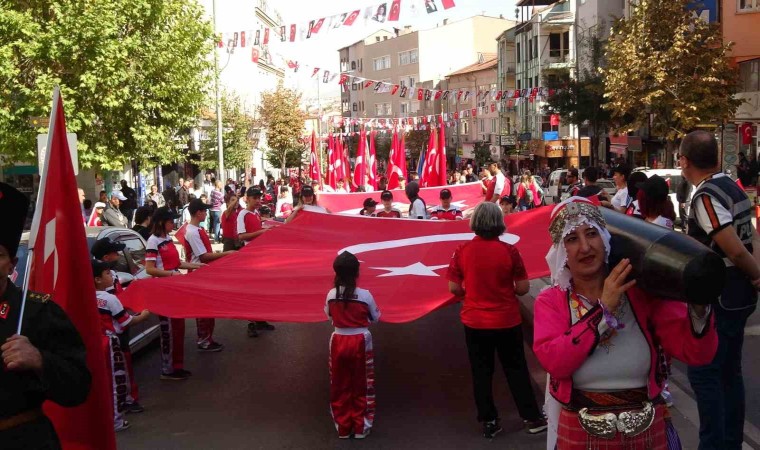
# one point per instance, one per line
(667, 65)
(482, 154)
(283, 119)
(236, 136)
(415, 141)
(132, 74)
(581, 101)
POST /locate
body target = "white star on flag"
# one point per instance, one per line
(417, 268)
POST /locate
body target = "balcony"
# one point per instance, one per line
(558, 62)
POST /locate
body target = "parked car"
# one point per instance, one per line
(557, 184)
(129, 267)
(607, 186)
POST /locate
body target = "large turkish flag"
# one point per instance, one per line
(285, 274)
(464, 196)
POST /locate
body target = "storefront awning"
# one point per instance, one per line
(618, 149)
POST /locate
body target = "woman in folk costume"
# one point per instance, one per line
(597, 336)
(352, 372)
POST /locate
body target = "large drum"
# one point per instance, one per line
(666, 263)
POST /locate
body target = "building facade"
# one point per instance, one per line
(408, 58)
(740, 20)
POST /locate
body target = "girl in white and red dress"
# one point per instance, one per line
(162, 260)
(352, 371)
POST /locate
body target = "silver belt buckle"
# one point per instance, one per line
(606, 426)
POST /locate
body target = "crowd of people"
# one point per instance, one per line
(605, 343)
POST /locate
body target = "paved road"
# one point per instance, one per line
(272, 392)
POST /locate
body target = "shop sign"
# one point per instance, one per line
(730, 148)
(507, 140)
(524, 137)
(551, 135)
(750, 109)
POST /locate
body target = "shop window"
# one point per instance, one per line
(749, 76)
(747, 5)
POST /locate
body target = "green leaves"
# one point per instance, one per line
(237, 139)
(132, 74)
(283, 119)
(665, 62)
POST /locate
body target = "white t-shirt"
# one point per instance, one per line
(327, 188)
(314, 208)
(499, 186)
(109, 304)
(153, 249)
(241, 228)
(360, 295)
(620, 199)
(417, 210)
(341, 191)
(195, 241)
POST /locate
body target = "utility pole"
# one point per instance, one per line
(219, 128)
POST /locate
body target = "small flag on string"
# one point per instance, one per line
(493, 107)
(466, 95)
(403, 91)
(378, 85)
(316, 69)
(395, 11)
(343, 78)
(293, 33)
(266, 36)
(428, 94)
(438, 95)
(351, 18)
(474, 112)
(447, 4)
(459, 95)
(420, 94)
(498, 95)
(283, 35)
(394, 89)
(445, 95)
(255, 55)
(317, 26)
(242, 39)
(326, 76)
(368, 83)
(310, 29)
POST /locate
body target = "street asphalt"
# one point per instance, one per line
(271, 392)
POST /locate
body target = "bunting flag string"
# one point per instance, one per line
(390, 11)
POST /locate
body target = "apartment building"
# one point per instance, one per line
(740, 19)
(409, 57)
(506, 138)
(480, 76)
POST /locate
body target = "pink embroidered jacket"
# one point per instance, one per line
(562, 348)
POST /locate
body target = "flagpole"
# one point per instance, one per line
(38, 207)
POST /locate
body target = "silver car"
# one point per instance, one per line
(130, 266)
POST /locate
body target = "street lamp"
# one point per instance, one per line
(217, 73)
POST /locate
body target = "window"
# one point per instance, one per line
(353, 65)
(135, 252)
(519, 85)
(382, 63)
(565, 43)
(382, 109)
(494, 126)
(747, 5)
(749, 76)
(530, 83)
(387, 109)
(355, 107)
(378, 109)
(554, 45)
(535, 81)
(404, 108)
(412, 80)
(353, 86)
(517, 50)
(361, 105)
(408, 57)
(377, 38)
(530, 51)
(535, 45)
(482, 125)
(465, 128)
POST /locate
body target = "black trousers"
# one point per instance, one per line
(482, 346)
(38, 434)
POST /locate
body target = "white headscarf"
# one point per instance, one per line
(566, 217)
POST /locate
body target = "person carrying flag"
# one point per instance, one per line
(388, 210)
(446, 211)
(198, 251)
(47, 362)
(162, 260)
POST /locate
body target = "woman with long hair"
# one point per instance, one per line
(308, 202)
(597, 334)
(417, 206)
(352, 375)
(162, 260)
(654, 202)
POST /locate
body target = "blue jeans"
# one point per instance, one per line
(719, 386)
(216, 217)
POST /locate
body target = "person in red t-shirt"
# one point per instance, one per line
(248, 228)
(446, 211)
(388, 210)
(491, 316)
(229, 224)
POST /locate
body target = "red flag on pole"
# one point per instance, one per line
(60, 253)
(430, 167)
(401, 155)
(393, 172)
(372, 166)
(360, 169)
(441, 152)
(334, 162)
(315, 172)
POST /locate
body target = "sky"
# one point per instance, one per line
(322, 51)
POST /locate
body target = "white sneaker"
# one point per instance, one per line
(362, 436)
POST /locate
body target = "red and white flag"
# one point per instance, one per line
(403, 264)
(60, 254)
(315, 171)
(393, 172)
(395, 11)
(372, 163)
(351, 18)
(441, 153)
(447, 4)
(430, 168)
(360, 166)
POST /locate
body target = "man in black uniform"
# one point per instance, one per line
(47, 362)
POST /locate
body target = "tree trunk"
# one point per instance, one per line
(670, 148)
